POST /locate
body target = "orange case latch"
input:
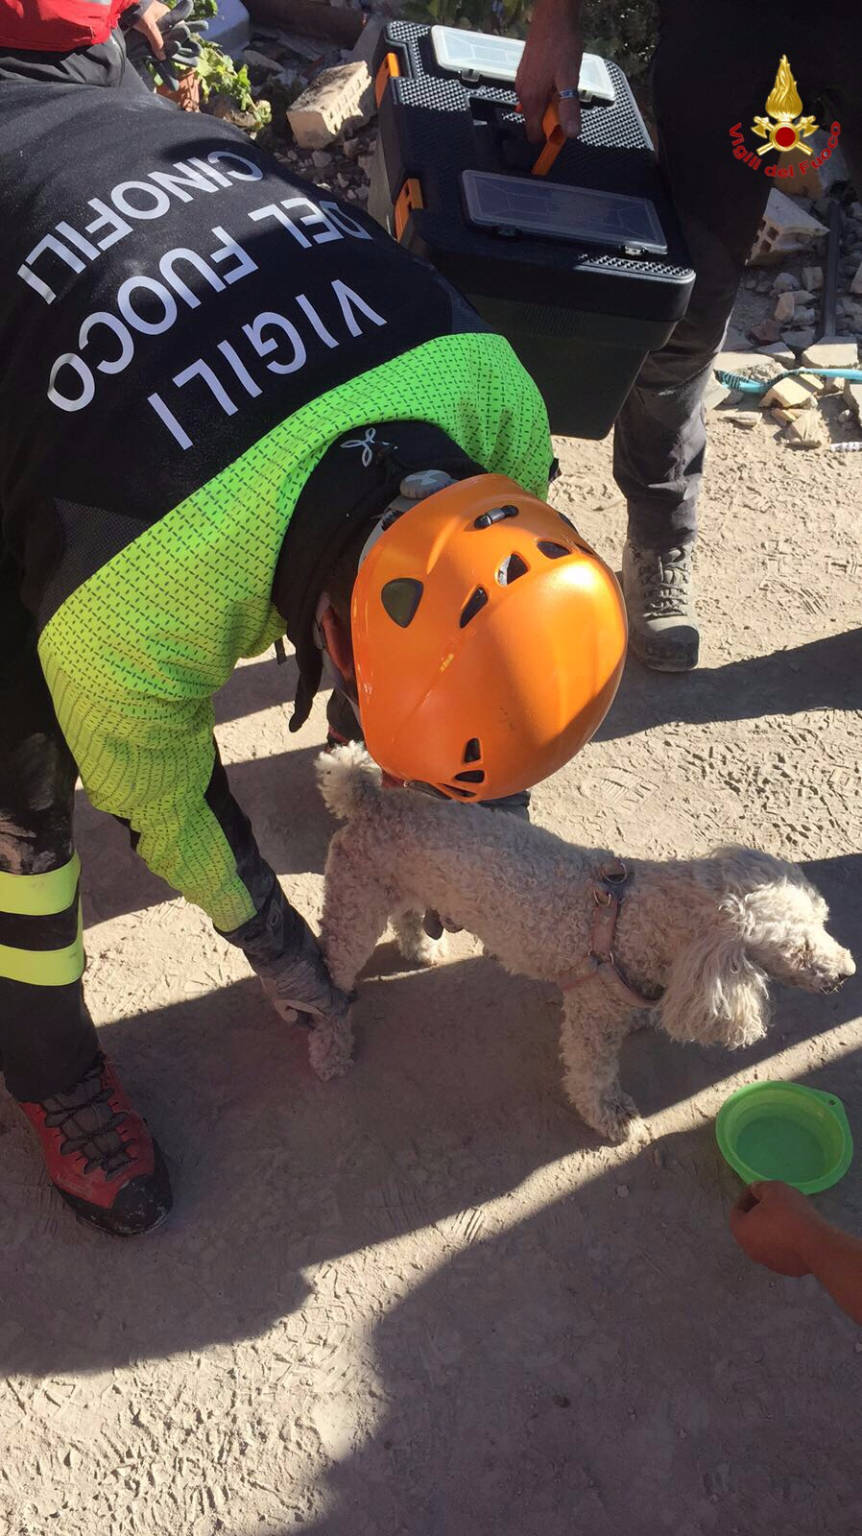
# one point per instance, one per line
(555, 138)
(390, 69)
(408, 198)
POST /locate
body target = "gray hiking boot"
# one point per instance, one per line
(663, 629)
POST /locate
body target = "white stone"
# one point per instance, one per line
(812, 277)
(342, 97)
(799, 339)
(832, 352)
(785, 282)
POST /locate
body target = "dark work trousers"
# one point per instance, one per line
(47, 1039)
(105, 64)
(714, 66)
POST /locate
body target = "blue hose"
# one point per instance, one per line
(760, 386)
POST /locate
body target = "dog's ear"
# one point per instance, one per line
(715, 993)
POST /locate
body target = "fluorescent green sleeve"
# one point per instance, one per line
(135, 653)
(153, 768)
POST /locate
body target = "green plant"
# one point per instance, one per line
(218, 73)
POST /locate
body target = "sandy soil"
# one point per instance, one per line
(425, 1299)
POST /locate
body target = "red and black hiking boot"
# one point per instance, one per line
(100, 1155)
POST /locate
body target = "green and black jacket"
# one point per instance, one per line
(187, 331)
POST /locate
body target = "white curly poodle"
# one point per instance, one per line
(695, 941)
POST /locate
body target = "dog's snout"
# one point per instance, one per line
(839, 972)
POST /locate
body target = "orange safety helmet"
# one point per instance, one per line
(488, 640)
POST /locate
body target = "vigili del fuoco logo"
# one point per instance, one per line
(784, 129)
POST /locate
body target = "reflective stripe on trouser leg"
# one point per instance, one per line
(41, 939)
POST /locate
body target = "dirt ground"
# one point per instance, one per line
(425, 1299)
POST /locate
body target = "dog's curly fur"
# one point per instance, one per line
(710, 933)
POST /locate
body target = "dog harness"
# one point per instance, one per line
(601, 961)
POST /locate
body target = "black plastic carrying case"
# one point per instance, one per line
(582, 267)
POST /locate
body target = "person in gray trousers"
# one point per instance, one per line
(713, 68)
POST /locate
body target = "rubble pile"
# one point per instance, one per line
(780, 310)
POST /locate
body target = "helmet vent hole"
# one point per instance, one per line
(552, 550)
(460, 791)
(401, 598)
(513, 567)
(473, 605)
(471, 776)
(473, 750)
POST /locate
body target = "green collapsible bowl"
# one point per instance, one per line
(785, 1131)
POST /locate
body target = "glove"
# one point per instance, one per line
(281, 948)
(181, 40)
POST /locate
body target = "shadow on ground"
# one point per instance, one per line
(824, 674)
(609, 1364)
(455, 1099)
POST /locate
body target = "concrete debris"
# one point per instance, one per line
(856, 283)
(785, 227)
(808, 430)
(803, 177)
(832, 352)
(853, 396)
(812, 382)
(715, 394)
(339, 98)
(744, 419)
(812, 277)
(767, 330)
(787, 392)
(754, 364)
(260, 64)
(785, 282)
(785, 306)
